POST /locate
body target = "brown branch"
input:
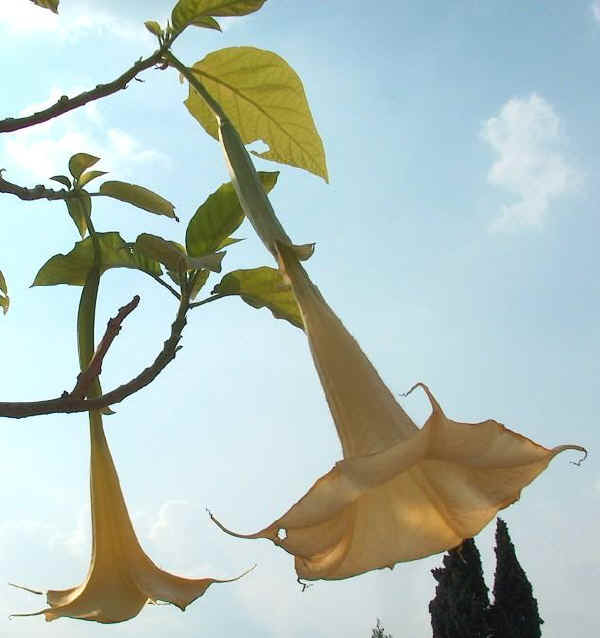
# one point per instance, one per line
(85, 378)
(66, 104)
(29, 194)
(67, 404)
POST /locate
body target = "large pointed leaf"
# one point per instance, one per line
(218, 217)
(140, 197)
(47, 4)
(80, 208)
(263, 287)
(264, 98)
(188, 12)
(73, 268)
(81, 162)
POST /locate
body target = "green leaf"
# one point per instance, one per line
(199, 282)
(73, 268)
(140, 197)
(173, 255)
(86, 178)
(218, 217)
(47, 4)
(206, 22)
(263, 287)
(264, 99)
(169, 253)
(63, 179)
(153, 27)
(81, 162)
(228, 241)
(187, 12)
(80, 208)
(4, 299)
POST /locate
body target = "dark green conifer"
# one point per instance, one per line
(461, 604)
(514, 613)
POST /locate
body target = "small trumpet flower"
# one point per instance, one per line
(400, 492)
(121, 578)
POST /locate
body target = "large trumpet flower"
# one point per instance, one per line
(400, 492)
(121, 578)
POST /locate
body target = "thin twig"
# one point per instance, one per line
(29, 194)
(162, 282)
(213, 298)
(85, 378)
(65, 104)
(39, 191)
(66, 404)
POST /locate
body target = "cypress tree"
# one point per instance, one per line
(514, 613)
(461, 604)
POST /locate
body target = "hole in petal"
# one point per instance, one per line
(282, 533)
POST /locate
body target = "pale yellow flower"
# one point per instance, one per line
(401, 492)
(121, 578)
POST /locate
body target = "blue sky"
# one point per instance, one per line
(457, 240)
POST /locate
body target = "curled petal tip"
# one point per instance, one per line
(222, 527)
(31, 591)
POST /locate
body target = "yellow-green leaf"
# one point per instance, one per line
(81, 162)
(218, 217)
(263, 287)
(153, 27)
(173, 255)
(199, 282)
(188, 12)
(140, 197)
(80, 208)
(47, 4)
(4, 300)
(62, 179)
(74, 267)
(264, 99)
(169, 253)
(86, 178)
(206, 22)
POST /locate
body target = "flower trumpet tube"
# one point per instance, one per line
(400, 492)
(251, 194)
(121, 577)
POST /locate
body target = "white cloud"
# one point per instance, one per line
(596, 10)
(527, 136)
(75, 21)
(38, 152)
(77, 541)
